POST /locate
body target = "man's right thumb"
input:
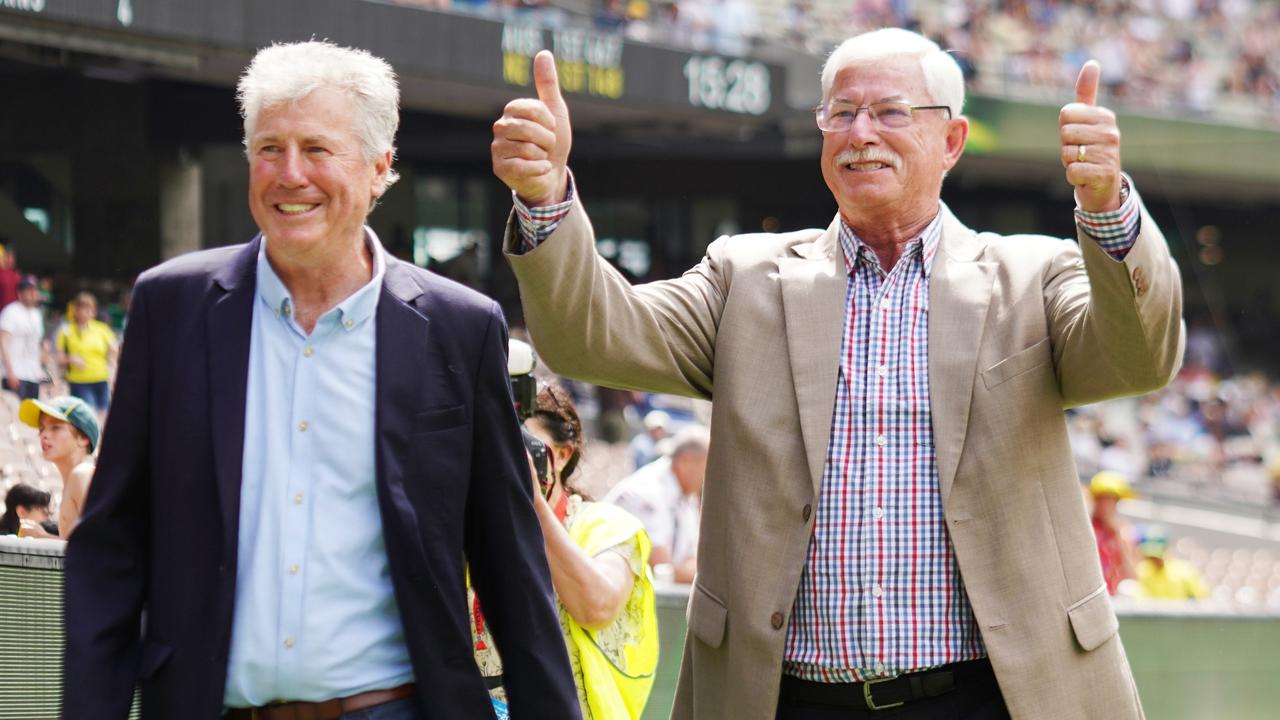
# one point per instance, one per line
(546, 80)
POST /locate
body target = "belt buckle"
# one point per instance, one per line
(871, 703)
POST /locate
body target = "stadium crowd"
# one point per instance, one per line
(1213, 58)
(57, 356)
(1210, 432)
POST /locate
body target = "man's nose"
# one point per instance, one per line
(292, 168)
(864, 130)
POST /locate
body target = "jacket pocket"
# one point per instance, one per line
(441, 418)
(707, 616)
(1092, 619)
(154, 656)
(1017, 364)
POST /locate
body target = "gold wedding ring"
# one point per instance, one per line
(1080, 153)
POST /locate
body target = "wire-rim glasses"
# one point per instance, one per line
(838, 116)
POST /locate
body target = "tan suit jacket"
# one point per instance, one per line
(1019, 328)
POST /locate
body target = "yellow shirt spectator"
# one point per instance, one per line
(91, 344)
(1170, 579)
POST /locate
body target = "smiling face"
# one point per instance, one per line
(310, 186)
(880, 175)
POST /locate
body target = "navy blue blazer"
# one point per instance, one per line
(160, 528)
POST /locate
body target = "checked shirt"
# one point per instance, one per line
(881, 593)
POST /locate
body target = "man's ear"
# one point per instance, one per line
(957, 136)
(381, 166)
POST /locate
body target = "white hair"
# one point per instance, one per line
(692, 438)
(943, 78)
(288, 72)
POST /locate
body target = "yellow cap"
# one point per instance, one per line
(1109, 482)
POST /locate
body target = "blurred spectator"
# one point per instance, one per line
(1116, 549)
(611, 16)
(598, 555)
(802, 26)
(22, 345)
(734, 26)
(9, 276)
(1119, 456)
(644, 446)
(86, 350)
(25, 508)
(68, 436)
(1163, 576)
(667, 497)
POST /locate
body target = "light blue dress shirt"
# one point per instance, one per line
(315, 614)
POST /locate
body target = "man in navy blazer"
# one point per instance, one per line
(309, 445)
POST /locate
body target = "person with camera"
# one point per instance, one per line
(599, 557)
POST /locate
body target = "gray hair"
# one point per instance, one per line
(288, 72)
(942, 75)
(690, 439)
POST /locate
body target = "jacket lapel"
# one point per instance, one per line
(229, 328)
(814, 282)
(401, 348)
(959, 295)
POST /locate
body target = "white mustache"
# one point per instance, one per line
(870, 155)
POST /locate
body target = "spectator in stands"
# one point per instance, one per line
(25, 508)
(1115, 537)
(9, 275)
(734, 26)
(598, 555)
(643, 448)
(667, 497)
(864, 374)
(22, 345)
(1163, 576)
(611, 16)
(309, 439)
(68, 436)
(87, 351)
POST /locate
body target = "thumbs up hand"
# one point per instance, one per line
(1091, 145)
(531, 140)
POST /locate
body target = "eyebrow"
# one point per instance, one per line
(306, 139)
(889, 98)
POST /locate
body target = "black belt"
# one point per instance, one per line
(885, 693)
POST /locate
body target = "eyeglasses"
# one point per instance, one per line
(838, 116)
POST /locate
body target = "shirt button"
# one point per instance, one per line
(297, 499)
(877, 591)
(303, 425)
(288, 643)
(883, 371)
(348, 324)
(877, 513)
(804, 514)
(881, 440)
(879, 669)
(776, 621)
(293, 569)
(885, 304)
(308, 351)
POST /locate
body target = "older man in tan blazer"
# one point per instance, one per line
(891, 514)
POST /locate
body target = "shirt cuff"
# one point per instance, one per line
(537, 224)
(1115, 231)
